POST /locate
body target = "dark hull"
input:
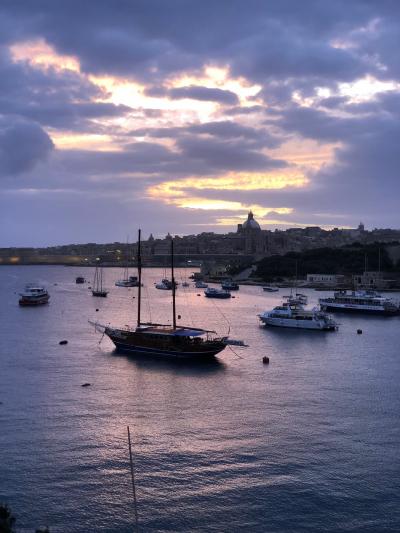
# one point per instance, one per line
(206, 352)
(101, 294)
(218, 296)
(33, 303)
(333, 308)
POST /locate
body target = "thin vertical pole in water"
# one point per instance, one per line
(133, 482)
(139, 267)
(173, 285)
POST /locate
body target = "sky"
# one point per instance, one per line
(180, 116)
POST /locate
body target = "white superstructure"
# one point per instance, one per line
(360, 301)
(293, 315)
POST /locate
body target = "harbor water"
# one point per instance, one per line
(308, 443)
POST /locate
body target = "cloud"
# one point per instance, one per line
(22, 146)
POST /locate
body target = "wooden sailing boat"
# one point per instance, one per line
(98, 289)
(163, 339)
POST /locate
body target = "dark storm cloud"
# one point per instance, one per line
(223, 130)
(205, 94)
(193, 156)
(195, 92)
(51, 98)
(22, 146)
(152, 39)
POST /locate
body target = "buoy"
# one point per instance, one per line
(63, 342)
(265, 360)
(233, 296)
(179, 317)
(199, 295)
(85, 385)
(96, 310)
(359, 331)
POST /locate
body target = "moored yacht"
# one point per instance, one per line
(292, 315)
(34, 295)
(368, 301)
(163, 339)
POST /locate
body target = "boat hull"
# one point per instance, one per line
(359, 310)
(100, 294)
(195, 353)
(25, 302)
(297, 324)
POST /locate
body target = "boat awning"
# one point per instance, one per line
(188, 332)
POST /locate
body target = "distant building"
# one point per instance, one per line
(371, 280)
(328, 280)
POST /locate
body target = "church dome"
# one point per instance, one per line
(251, 223)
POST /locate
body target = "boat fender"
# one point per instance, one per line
(63, 342)
(85, 385)
(359, 331)
(265, 360)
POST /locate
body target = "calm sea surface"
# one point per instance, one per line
(310, 443)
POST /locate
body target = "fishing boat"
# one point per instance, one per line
(165, 340)
(229, 285)
(201, 284)
(34, 295)
(98, 289)
(293, 315)
(80, 280)
(369, 302)
(211, 292)
(270, 288)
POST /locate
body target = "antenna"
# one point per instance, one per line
(139, 266)
(173, 285)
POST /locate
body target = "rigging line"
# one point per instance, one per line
(232, 350)
(187, 306)
(148, 301)
(218, 309)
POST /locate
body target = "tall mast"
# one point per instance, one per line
(173, 285)
(139, 267)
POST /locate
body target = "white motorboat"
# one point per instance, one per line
(34, 295)
(293, 315)
(369, 302)
(270, 288)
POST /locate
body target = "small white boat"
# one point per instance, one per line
(296, 298)
(270, 288)
(200, 285)
(34, 295)
(292, 315)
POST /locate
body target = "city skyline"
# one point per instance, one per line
(181, 117)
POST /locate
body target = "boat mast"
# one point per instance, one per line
(139, 267)
(173, 285)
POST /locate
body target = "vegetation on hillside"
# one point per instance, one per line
(350, 259)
